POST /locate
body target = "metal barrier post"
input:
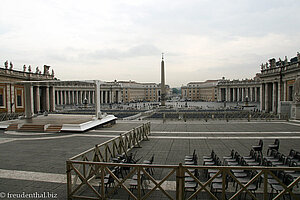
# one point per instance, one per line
(180, 182)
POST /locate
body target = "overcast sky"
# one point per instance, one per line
(123, 39)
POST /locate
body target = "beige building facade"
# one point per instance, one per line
(12, 93)
(200, 91)
(45, 92)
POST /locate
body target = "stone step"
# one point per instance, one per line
(12, 127)
(54, 128)
(32, 128)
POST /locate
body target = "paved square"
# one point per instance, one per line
(36, 162)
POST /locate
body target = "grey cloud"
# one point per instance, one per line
(136, 51)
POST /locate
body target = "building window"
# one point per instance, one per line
(19, 98)
(1, 100)
(291, 93)
(2, 97)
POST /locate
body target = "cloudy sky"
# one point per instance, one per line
(123, 39)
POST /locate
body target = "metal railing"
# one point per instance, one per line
(217, 115)
(10, 116)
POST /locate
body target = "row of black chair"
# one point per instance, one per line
(255, 158)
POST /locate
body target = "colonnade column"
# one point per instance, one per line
(52, 100)
(255, 94)
(61, 97)
(284, 90)
(279, 98)
(65, 97)
(77, 97)
(105, 97)
(57, 97)
(69, 97)
(274, 98)
(266, 97)
(73, 97)
(28, 90)
(37, 99)
(243, 94)
(97, 99)
(47, 105)
(234, 94)
(262, 102)
(93, 97)
(227, 94)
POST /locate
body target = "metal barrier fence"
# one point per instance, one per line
(217, 115)
(10, 116)
(89, 187)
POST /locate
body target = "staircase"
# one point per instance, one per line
(12, 127)
(32, 128)
(54, 128)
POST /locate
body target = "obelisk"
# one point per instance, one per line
(163, 85)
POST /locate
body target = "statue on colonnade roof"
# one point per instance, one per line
(6, 64)
(11, 66)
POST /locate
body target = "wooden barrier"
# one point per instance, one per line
(87, 171)
(176, 173)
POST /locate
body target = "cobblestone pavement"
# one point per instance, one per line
(36, 162)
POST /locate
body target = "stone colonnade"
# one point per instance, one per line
(41, 97)
(77, 96)
(239, 93)
(38, 98)
(74, 96)
(273, 93)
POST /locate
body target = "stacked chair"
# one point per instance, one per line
(214, 160)
(258, 148)
(109, 181)
(189, 182)
(274, 146)
(134, 180)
